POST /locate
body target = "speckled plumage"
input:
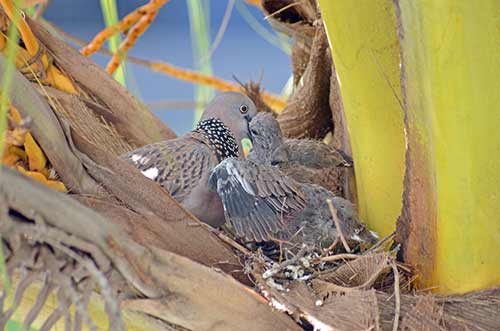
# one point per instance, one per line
(182, 165)
(219, 137)
(261, 203)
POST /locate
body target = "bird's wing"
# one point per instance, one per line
(177, 165)
(258, 200)
(315, 154)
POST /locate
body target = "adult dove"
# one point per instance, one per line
(182, 165)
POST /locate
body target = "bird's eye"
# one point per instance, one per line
(243, 109)
(253, 131)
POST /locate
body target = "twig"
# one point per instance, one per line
(397, 296)
(338, 257)
(282, 9)
(332, 246)
(232, 243)
(137, 30)
(275, 102)
(121, 26)
(336, 220)
(380, 243)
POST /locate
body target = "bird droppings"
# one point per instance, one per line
(277, 305)
(316, 323)
(151, 173)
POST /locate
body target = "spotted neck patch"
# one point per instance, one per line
(220, 137)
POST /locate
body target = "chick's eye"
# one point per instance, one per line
(243, 109)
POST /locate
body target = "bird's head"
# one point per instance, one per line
(267, 140)
(235, 110)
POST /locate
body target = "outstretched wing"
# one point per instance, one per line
(177, 165)
(258, 200)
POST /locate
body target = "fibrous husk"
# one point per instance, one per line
(425, 315)
(369, 308)
(253, 90)
(301, 52)
(50, 235)
(360, 273)
(290, 11)
(307, 113)
(131, 119)
(89, 119)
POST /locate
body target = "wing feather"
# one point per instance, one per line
(256, 199)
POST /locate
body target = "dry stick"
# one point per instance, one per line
(137, 30)
(121, 26)
(332, 246)
(397, 296)
(336, 220)
(338, 257)
(40, 301)
(231, 242)
(21, 288)
(380, 243)
(105, 287)
(282, 9)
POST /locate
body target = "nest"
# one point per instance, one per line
(118, 252)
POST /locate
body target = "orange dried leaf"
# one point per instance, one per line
(10, 160)
(15, 116)
(45, 172)
(57, 79)
(14, 150)
(33, 174)
(36, 158)
(16, 137)
(57, 185)
(39, 177)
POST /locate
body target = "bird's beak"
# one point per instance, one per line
(246, 143)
